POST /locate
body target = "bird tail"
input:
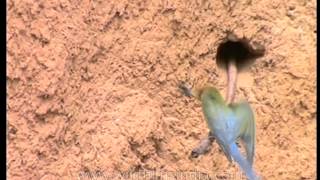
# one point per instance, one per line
(243, 163)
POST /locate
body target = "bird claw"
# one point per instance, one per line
(195, 153)
(203, 147)
(185, 88)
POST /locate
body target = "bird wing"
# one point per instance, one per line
(247, 131)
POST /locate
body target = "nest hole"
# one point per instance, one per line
(241, 51)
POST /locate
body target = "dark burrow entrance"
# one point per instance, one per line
(239, 50)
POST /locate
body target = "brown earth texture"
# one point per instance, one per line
(92, 87)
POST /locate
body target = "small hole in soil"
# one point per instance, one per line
(239, 50)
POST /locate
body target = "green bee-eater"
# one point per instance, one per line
(227, 124)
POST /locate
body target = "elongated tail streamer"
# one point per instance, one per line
(243, 163)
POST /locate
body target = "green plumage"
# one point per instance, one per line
(228, 123)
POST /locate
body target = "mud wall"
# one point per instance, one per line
(92, 85)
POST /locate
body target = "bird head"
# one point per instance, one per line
(209, 93)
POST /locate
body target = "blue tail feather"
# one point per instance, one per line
(244, 164)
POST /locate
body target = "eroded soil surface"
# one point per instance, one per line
(92, 86)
